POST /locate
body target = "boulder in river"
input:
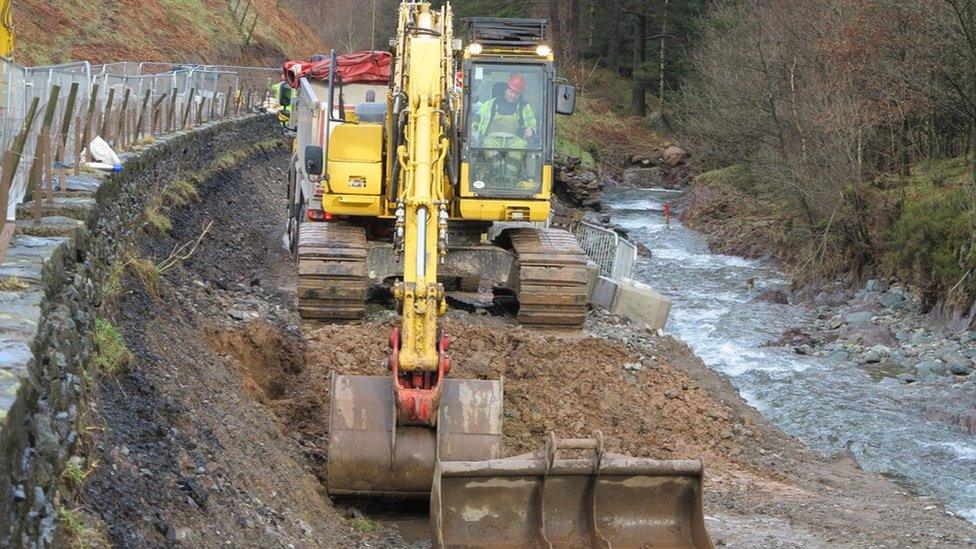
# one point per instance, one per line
(577, 185)
(931, 369)
(675, 156)
(773, 296)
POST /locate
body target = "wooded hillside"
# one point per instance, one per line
(852, 122)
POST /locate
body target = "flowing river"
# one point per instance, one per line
(828, 407)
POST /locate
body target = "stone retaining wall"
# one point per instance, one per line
(51, 286)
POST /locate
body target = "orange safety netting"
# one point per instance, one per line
(368, 67)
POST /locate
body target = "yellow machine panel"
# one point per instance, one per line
(506, 210)
(356, 160)
(351, 204)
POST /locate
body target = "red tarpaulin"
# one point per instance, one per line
(367, 67)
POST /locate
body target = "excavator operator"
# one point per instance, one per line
(507, 122)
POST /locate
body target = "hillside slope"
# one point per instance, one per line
(202, 31)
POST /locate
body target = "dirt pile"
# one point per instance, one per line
(569, 384)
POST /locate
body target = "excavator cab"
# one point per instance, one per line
(505, 141)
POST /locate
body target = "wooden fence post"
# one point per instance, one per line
(89, 121)
(142, 114)
(107, 114)
(171, 126)
(123, 113)
(189, 105)
(37, 168)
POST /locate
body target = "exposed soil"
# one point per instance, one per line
(217, 435)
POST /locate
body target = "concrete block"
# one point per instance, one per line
(592, 275)
(640, 303)
(604, 292)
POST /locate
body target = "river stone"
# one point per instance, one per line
(958, 364)
(875, 285)
(838, 357)
(931, 369)
(918, 337)
(860, 316)
(674, 156)
(892, 301)
(875, 354)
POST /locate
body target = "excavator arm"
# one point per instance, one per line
(420, 362)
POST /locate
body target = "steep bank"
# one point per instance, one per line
(916, 230)
(190, 31)
(217, 431)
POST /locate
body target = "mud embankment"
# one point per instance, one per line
(217, 433)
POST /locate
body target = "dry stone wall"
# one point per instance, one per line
(52, 282)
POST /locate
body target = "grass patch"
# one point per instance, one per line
(12, 283)
(365, 525)
(72, 531)
(181, 192)
(144, 269)
(111, 354)
(72, 528)
(155, 217)
(931, 244)
(73, 474)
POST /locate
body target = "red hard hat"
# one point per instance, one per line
(517, 83)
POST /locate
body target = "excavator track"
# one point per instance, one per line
(551, 277)
(331, 272)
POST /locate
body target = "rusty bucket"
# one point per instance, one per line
(370, 455)
(543, 499)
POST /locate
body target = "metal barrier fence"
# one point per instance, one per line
(49, 114)
(614, 254)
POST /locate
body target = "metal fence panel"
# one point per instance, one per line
(216, 91)
(613, 254)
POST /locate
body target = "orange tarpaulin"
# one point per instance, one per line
(368, 67)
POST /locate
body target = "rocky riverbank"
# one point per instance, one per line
(882, 327)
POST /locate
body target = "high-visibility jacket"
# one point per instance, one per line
(281, 92)
(490, 120)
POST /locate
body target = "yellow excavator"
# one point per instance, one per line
(405, 192)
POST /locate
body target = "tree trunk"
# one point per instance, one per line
(554, 27)
(639, 57)
(662, 54)
(613, 48)
(573, 31)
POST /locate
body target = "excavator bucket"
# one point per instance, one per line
(595, 499)
(370, 455)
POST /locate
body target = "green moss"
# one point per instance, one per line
(111, 354)
(931, 242)
(566, 147)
